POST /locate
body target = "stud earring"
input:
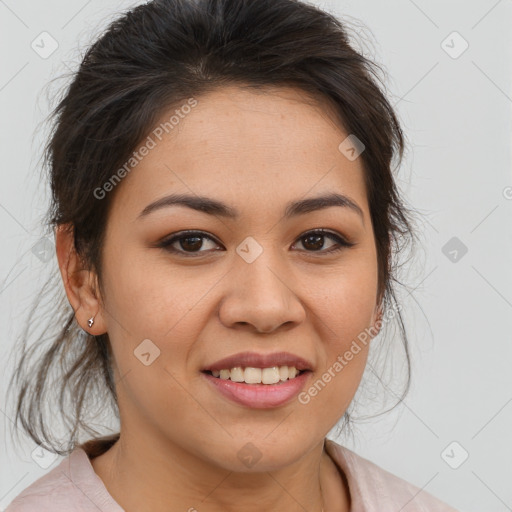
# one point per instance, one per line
(90, 321)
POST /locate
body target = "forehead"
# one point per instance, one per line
(245, 148)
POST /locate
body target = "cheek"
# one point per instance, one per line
(153, 323)
(343, 304)
(344, 298)
(151, 299)
(166, 306)
(342, 317)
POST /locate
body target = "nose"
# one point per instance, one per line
(261, 296)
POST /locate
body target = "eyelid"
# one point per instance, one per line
(341, 241)
(167, 241)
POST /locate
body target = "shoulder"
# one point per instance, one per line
(374, 489)
(48, 492)
(71, 486)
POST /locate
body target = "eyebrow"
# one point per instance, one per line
(217, 208)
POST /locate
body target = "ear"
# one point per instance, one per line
(376, 323)
(81, 284)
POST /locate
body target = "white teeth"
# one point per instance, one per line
(251, 375)
(237, 374)
(270, 375)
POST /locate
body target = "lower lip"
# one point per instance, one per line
(260, 396)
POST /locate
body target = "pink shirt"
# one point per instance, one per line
(74, 486)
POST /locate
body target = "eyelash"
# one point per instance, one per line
(166, 244)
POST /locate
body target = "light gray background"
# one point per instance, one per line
(456, 113)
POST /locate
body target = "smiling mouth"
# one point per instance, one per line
(250, 375)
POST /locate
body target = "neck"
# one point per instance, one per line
(142, 476)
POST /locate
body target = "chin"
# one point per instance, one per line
(253, 454)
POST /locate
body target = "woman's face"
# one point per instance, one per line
(254, 282)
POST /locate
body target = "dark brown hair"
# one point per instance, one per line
(150, 59)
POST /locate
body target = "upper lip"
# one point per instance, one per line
(255, 360)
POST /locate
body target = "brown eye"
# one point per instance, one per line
(190, 243)
(187, 243)
(314, 241)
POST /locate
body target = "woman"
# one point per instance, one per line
(224, 215)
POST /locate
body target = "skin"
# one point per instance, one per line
(180, 437)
